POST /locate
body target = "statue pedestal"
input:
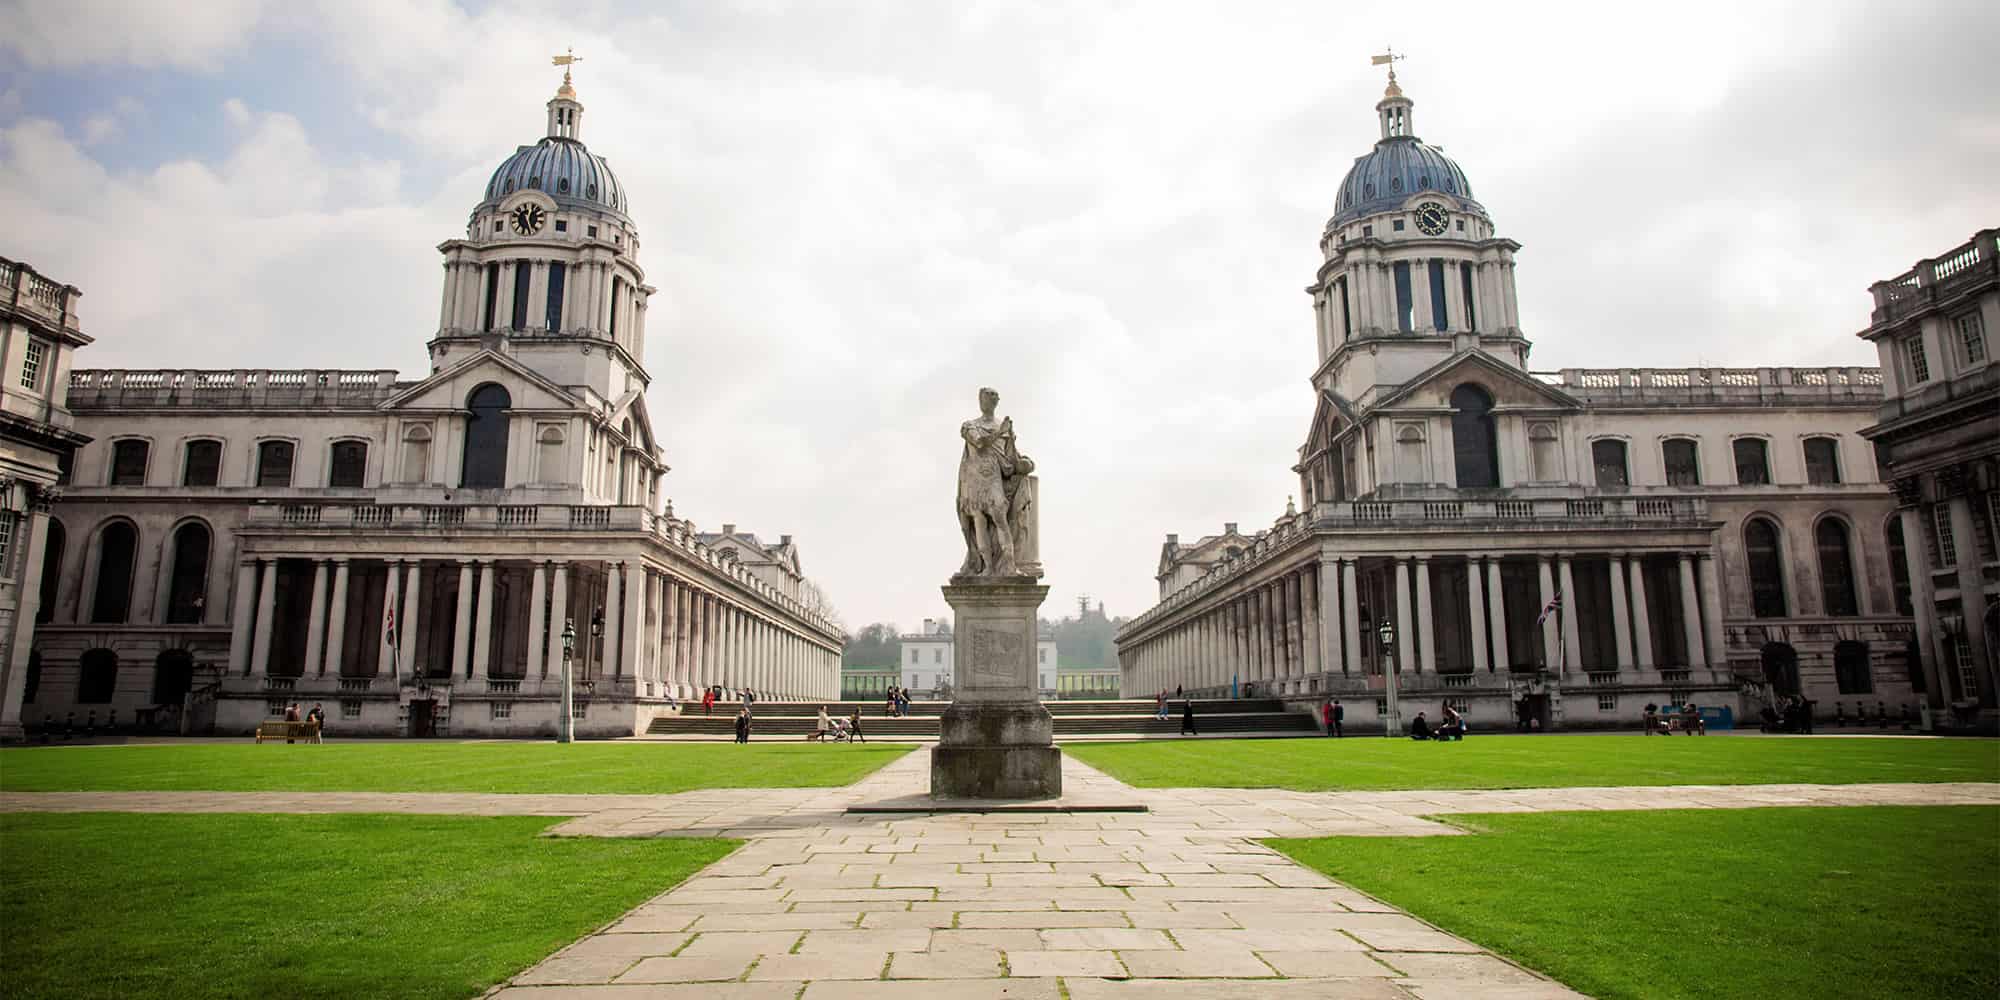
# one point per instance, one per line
(995, 741)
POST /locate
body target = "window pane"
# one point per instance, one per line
(1751, 467)
(274, 463)
(128, 463)
(349, 464)
(1404, 308)
(1822, 461)
(1680, 461)
(204, 463)
(1609, 458)
(1836, 568)
(1767, 585)
(1920, 369)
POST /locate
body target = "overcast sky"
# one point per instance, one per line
(857, 214)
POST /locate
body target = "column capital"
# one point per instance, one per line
(1422, 558)
(1704, 554)
(338, 560)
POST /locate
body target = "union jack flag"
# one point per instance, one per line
(1555, 604)
(389, 627)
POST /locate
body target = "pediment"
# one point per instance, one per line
(632, 406)
(1509, 386)
(448, 389)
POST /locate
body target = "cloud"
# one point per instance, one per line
(73, 33)
(857, 216)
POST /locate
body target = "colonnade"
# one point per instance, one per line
(660, 634)
(587, 297)
(1363, 296)
(1290, 629)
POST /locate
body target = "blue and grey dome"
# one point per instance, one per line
(1398, 167)
(562, 169)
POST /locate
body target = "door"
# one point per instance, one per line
(421, 716)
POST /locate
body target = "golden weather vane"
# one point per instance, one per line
(566, 60)
(1388, 58)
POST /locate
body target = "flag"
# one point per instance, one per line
(389, 627)
(1555, 604)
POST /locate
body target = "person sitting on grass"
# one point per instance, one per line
(1420, 727)
(1453, 727)
(1691, 723)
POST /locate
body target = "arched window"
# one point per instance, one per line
(204, 463)
(1899, 566)
(97, 676)
(52, 571)
(1681, 460)
(1753, 466)
(1412, 465)
(1850, 668)
(112, 601)
(1767, 568)
(1474, 446)
(1781, 667)
(1607, 456)
(187, 593)
(348, 464)
(1542, 453)
(274, 463)
(1836, 567)
(173, 676)
(485, 465)
(416, 454)
(128, 462)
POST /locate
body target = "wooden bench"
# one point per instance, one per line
(279, 729)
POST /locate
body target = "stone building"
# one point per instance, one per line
(38, 440)
(1938, 441)
(411, 553)
(928, 664)
(1717, 535)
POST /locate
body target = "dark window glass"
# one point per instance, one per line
(204, 463)
(1822, 461)
(1836, 568)
(52, 570)
(97, 677)
(1404, 316)
(1473, 443)
(128, 463)
(1608, 457)
(65, 464)
(556, 275)
(1767, 569)
(188, 593)
(486, 438)
(1465, 279)
(1752, 466)
(1440, 316)
(1346, 312)
(1899, 567)
(1396, 225)
(616, 283)
(348, 465)
(116, 546)
(1682, 469)
(274, 463)
(1850, 668)
(524, 272)
(492, 293)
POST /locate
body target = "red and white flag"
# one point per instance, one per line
(1555, 604)
(389, 627)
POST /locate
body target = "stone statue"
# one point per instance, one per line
(996, 498)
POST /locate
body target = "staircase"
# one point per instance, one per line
(1074, 720)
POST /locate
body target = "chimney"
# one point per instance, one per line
(1229, 527)
(729, 529)
(784, 539)
(930, 626)
(1173, 539)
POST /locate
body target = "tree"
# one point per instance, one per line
(876, 645)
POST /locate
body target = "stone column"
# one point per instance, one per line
(670, 619)
(1711, 612)
(1548, 591)
(538, 295)
(538, 620)
(1253, 669)
(1971, 586)
(242, 616)
(33, 533)
(1426, 621)
(614, 592)
(558, 618)
(1573, 649)
(1697, 654)
(1295, 609)
(1642, 621)
(336, 625)
(1274, 630)
(406, 622)
(1406, 626)
(461, 646)
(1421, 320)
(316, 625)
(1350, 617)
(1621, 627)
(482, 624)
(1454, 301)
(1312, 625)
(629, 666)
(1332, 656)
(1475, 609)
(1496, 614)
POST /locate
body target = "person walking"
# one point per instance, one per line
(708, 701)
(743, 725)
(1160, 705)
(889, 705)
(291, 715)
(318, 719)
(1187, 718)
(1339, 716)
(854, 726)
(903, 702)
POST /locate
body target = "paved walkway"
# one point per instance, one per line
(1179, 902)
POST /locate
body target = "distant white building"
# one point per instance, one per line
(927, 662)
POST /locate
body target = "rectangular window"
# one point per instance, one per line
(557, 272)
(273, 707)
(616, 284)
(1346, 312)
(1753, 467)
(31, 365)
(524, 273)
(128, 463)
(492, 295)
(204, 463)
(562, 226)
(937, 656)
(1396, 225)
(1440, 316)
(592, 233)
(1968, 675)
(1683, 468)
(1607, 703)
(501, 710)
(1381, 706)
(1947, 546)
(1971, 335)
(1465, 280)
(274, 463)
(1404, 309)
(350, 708)
(1608, 456)
(348, 465)
(1822, 461)
(1367, 230)
(6, 543)
(1920, 368)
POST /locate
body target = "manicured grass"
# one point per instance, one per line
(635, 768)
(1756, 903)
(122, 905)
(1552, 761)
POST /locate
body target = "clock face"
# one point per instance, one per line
(1431, 218)
(528, 219)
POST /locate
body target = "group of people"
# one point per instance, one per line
(713, 694)
(315, 715)
(897, 703)
(1450, 727)
(1187, 711)
(1664, 721)
(1792, 713)
(839, 730)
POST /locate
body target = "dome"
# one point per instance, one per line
(1395, 169)
(562, 169)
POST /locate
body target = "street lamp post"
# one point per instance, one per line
(1387, 633)
(565, 722)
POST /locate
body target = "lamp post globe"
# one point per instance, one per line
(1387, 633)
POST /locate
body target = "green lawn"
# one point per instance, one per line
(640, 768)
(1854, 902)
(120, 905)
(1552, 761)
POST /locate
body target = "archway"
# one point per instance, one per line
(1850, 668)
(1474, 447)
(112, 602)
(173, 676)
(485, 465)
(52, 571)
(187, 594)
(97, 676)
(1781, 667)
(1767, 568)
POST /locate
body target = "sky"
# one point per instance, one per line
(856, 214)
